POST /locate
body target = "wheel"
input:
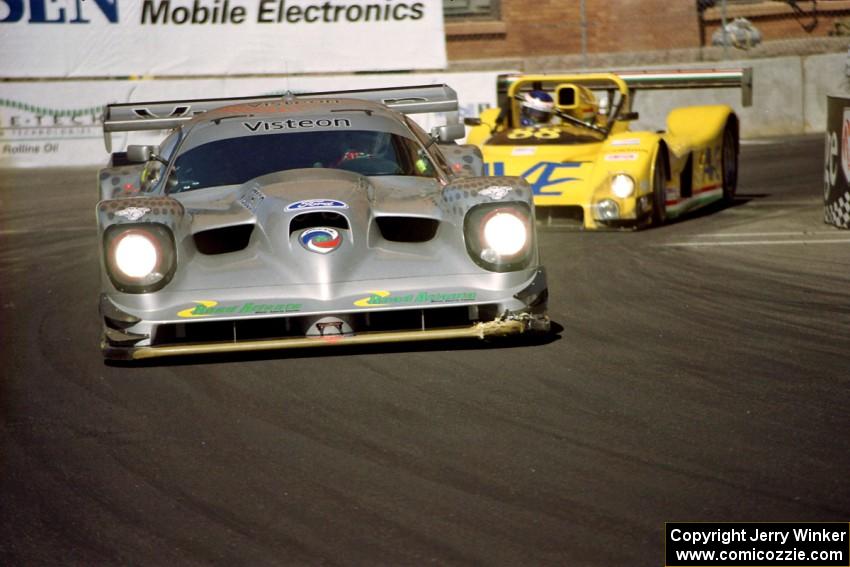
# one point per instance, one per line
(659, 191)
(729, 162)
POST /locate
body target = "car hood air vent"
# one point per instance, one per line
(223, 240)
(407, 229)
(323, 218)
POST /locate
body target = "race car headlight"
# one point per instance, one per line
(622, 185)
(505, 233)
(607, 210)
(139, 258)
(136, 255)
(499, 236)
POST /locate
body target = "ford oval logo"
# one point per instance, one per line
(315, 204)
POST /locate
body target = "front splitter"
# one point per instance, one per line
(497, 328)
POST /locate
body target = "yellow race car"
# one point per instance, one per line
(569, 137)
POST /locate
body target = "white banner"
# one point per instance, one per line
(115, 38)
(57, 123)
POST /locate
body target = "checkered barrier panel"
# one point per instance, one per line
(838, 212)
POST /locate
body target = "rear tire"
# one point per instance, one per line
(659, 191)
(729, 161)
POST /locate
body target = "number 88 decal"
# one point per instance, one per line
(537, 133)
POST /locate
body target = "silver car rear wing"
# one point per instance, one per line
(164, 115)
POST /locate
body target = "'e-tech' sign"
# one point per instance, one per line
(108, 38)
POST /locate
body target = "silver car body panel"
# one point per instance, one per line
(276, 292)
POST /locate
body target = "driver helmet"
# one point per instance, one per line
(537, 108)
(355, 145)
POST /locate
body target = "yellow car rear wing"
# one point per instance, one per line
(509, 87)
(699, 79)
(641, 80)
(164, 115)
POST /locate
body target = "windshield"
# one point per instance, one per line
(233, 161)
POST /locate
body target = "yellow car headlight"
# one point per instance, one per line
(622, 185)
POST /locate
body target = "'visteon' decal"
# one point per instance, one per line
(295, 124)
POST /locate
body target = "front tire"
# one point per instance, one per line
(659, 191)
(729, 161)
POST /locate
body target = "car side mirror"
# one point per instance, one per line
(448, 132)
(141, 154)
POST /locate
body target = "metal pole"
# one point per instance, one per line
(583, 16)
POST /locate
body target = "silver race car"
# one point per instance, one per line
(309, 220)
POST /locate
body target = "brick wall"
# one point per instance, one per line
(530, 28)
(553, 27)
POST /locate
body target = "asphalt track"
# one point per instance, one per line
(701, 373)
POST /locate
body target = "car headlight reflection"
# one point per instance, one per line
(136, 255)
(622, 185)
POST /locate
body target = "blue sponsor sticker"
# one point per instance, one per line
(315, 204)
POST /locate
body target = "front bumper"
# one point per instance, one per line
(491, 329)
(130, 336)
(624, 213)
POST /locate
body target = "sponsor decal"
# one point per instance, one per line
(293, 124)
(526, 151)
(301, 32)
(329, 328)
(496, 192)
(33, 133)
(383, 298)
(252, 200)
(845, 144)
(321, 240)
(626, 142)
(159, 12)
(707, 162)
(207, 308)
(315, 204)
(272, 12)
(16, 10)
(333, 327)
(830, 168)
(628, 156)
(541, 176)
(133, 213)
